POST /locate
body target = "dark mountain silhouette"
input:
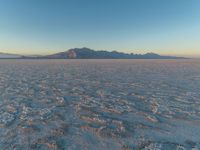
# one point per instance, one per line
(86, 53)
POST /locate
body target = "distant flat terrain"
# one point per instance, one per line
(99, 104)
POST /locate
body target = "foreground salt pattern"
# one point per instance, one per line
(100, 104)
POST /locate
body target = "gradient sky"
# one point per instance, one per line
(169, 27)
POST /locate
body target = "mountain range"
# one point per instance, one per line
(86, 53)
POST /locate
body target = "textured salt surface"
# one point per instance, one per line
(100, 104)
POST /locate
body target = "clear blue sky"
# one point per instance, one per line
(47, 26)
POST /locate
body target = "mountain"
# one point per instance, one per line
(86, 53)
(7, 56)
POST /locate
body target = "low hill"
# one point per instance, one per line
(7, 56)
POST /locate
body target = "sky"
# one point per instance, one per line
(168, 27)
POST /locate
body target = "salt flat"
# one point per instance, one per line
(99, 104)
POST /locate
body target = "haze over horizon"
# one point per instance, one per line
(133, 26)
